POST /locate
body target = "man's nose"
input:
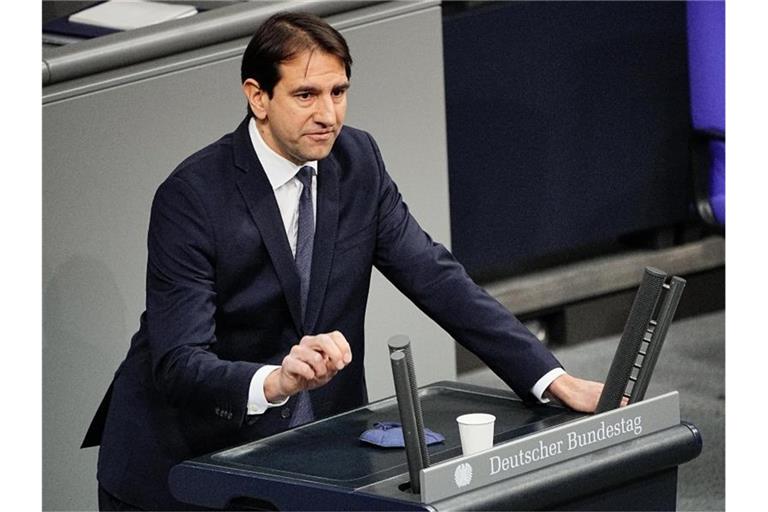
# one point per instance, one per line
(325, 111)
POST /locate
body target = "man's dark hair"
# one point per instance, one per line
(282, 37)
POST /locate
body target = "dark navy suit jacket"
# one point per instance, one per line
(223, 299)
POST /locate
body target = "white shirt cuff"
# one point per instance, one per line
(543, 383)
(257, 402)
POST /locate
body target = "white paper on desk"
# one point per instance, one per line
(128, 14)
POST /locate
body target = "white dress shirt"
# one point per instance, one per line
(281, 174)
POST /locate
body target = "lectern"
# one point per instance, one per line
(544, 457)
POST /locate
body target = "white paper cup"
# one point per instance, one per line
(476, 432)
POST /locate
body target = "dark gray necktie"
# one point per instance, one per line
(305, 240)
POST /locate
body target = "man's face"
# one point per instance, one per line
(306, 112)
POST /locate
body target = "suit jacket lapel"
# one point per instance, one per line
(325, 237)
(260, 199)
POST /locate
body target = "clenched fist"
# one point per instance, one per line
(312, 363)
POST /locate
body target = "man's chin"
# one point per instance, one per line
(317, 152)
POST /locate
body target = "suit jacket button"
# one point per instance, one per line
(285, 413)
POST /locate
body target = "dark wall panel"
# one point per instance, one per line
(568, 126)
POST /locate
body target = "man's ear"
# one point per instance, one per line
(256, 97)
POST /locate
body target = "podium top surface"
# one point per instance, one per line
(330, 451)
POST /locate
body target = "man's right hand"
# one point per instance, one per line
(312, 363)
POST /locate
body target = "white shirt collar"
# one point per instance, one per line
(279, 169)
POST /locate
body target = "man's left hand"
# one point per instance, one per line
(578, 394)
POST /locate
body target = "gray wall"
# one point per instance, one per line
(110, 139)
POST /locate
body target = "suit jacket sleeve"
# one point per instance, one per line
(181, 306)
(428, 274)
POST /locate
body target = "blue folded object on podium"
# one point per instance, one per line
(389, 434)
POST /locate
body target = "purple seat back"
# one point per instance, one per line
(706, 62)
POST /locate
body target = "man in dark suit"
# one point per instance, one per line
(261, 247)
